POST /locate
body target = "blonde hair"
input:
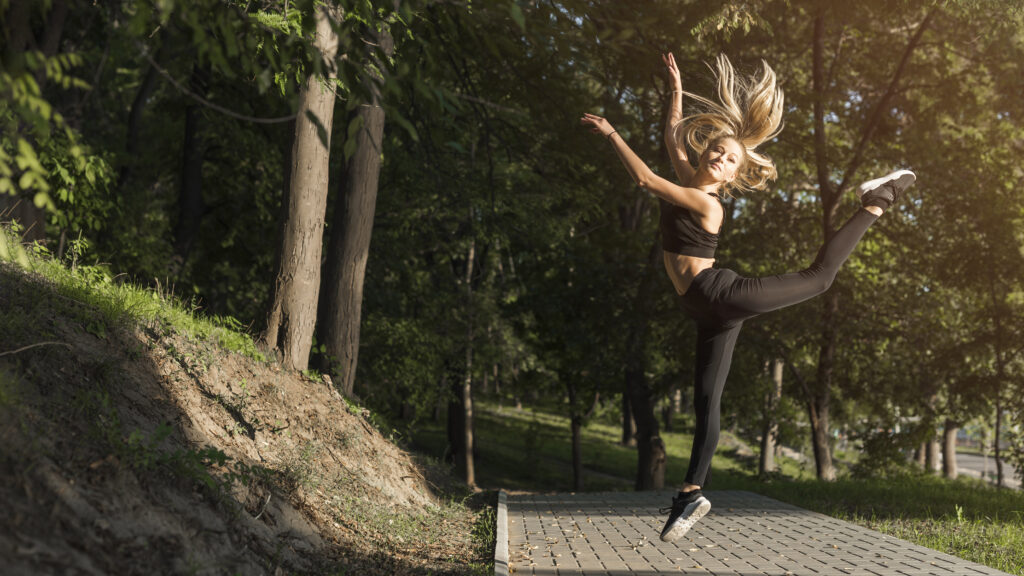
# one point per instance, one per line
(749, 110)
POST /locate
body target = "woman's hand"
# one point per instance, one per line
(673, 71)
(597, 124)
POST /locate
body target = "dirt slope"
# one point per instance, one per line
(141, 451)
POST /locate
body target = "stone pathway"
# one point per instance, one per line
(745, 534)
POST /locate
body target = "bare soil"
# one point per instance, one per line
(141, 450)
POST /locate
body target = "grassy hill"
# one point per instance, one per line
(137, 437)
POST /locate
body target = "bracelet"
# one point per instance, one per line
(609, 136)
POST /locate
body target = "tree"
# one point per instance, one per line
(292, 315)
(349, 244)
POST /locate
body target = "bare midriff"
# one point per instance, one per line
(683, 269)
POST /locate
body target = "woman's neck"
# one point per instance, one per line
(705, 183)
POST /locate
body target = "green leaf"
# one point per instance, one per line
(517, 14)
(350, 148)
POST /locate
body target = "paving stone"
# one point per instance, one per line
(745, 534)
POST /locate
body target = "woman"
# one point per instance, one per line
(725, 135)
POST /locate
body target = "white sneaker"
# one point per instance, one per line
(885, 191)
(683, 514)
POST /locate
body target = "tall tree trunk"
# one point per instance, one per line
(949, 466)
(456, 425)
(668, 410)
(921, 455)
(770, 430)
(349, 246)
(1000, 480)
(931, 458)
(628, 422)
(651, 454)
(460, 407)
(467, 383)
(998, 301)
(191, 206)
(818, 398)
(576, 425)
(292, 314)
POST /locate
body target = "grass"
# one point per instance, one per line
(103, 301)
(531, 450)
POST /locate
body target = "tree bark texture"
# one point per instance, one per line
(949, 466)
(1000, 480)
(351, 228)
(931, 457)
(651, 454)
(191, 206)
(576, 427)
(467, 381)
(628, 423)
(770, 430)
(292, 314)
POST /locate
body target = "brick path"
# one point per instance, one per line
(744, 534)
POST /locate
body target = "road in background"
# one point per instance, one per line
(979, 466)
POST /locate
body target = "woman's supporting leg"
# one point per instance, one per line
(714, 356)
(748, 297)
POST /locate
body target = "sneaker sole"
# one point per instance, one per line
(903, 178)
(687, 520)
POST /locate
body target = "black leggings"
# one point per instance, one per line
(720, 300)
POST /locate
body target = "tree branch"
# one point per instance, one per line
(22, 349)
(209, 104)
(876, 113)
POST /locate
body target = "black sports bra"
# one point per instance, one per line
(681, 233)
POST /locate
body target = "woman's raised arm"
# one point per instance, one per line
(692, 199)
(676, 150)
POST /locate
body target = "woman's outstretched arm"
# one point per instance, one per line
(676, 150)
(693, 199)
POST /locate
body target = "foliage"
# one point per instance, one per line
(483, 149)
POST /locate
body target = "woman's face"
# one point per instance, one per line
(722, 159)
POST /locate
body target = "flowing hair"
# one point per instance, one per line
(749, 110)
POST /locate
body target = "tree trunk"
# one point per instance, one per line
(576, 425)
(818, 397)
(577, 454)
(467, 383)
(949, 466)
(1000, 481)
(822, 394)
(460, 425)
(668, 410)
(921, 456)
(456, 426)
(651, 455)
(191, 206)
(349, 245)
(770, 430)
(292, 313)
(931, 459)
(628, 423)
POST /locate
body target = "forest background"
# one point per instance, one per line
(246, 154)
